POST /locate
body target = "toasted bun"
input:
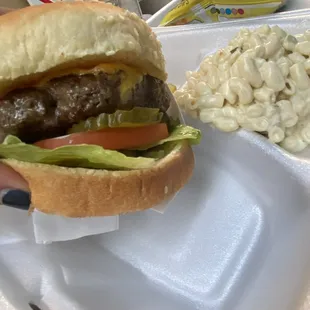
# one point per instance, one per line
(78, 192)
(44, 39)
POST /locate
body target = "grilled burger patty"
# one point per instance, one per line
(50, 110)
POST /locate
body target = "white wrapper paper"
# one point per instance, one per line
(52, 228)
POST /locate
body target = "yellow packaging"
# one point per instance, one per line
(208, 11)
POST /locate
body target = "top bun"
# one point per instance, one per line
(41, 40)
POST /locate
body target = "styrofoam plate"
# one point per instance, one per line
(236, 237)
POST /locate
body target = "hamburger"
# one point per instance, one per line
(86, 116)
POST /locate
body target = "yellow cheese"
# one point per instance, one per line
(129, 77)
(172, 88)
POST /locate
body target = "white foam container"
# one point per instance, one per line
(236, 237)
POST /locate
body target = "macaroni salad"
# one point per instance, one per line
(259, 82)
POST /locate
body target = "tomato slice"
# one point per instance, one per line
(111, 138)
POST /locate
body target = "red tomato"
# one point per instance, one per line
(111, 138)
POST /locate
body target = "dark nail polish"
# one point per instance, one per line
(33, 306)
(15, 198)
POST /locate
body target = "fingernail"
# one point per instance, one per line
(33, 306)
(15, 198)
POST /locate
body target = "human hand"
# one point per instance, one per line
(14, 189)
(5, 10)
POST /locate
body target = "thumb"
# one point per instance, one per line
(14, 190)
(5, 10)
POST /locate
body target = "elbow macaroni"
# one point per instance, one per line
(300, 76)
(272, 76)
(260, 82)
(242, 89)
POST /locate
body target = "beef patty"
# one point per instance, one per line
(50, 110)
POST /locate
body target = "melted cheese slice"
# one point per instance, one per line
(129, 77)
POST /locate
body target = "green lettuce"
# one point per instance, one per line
(180, 132)
(96, 157)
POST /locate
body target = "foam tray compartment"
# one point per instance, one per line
(236, 237)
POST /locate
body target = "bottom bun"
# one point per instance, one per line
(79, 192)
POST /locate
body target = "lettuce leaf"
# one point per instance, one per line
(180, 132)
(92, 156)
(86, 156)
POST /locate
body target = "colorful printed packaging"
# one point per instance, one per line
(208, 11)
